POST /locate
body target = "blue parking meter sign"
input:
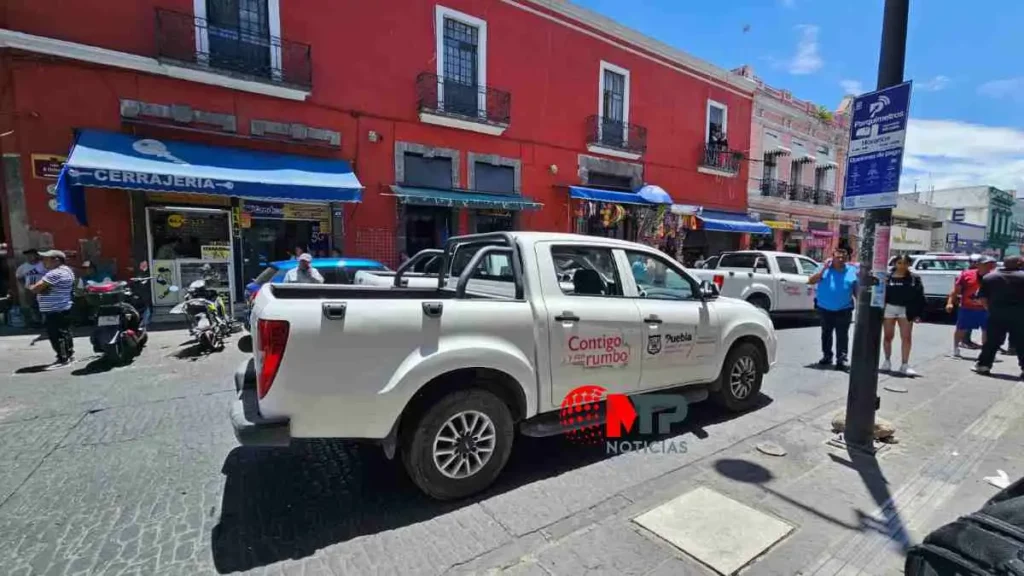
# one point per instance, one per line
(878, 130)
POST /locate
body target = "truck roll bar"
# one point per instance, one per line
(474, 262)
(419, 256)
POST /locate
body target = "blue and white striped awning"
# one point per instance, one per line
(111, 160)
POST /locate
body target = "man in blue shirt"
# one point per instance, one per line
(837, 284)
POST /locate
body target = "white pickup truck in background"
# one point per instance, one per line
(938, 272)
(776, 282)
(445, 375)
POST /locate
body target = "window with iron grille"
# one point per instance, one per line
(614, 97)
(239, 35)
(461, 67)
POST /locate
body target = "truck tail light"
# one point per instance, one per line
(719, 280)
(273, 337)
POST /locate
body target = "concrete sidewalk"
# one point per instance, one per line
(846, 514)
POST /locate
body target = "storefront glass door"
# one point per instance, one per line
(182, 242)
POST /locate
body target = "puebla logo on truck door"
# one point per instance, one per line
(654, 344)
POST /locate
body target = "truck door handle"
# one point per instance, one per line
(783, 280)
(567, 317)
(433, 309)
(334, 310)
(653, 319)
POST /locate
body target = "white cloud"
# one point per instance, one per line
(788, 3)
(1012, 88)
(948, 153)
(852, 87)
(934, 84)
(807, 60)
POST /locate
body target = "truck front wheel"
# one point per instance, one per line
(459, 445)
(740, 381)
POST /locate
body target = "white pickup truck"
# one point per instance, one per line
(938, 271)
(776, 282)
(445, 375)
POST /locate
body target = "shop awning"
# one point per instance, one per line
(111, 160)
(716, 221)
(609, 196)
(462, 199)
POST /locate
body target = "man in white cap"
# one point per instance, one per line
(54, 294)
(304, 273)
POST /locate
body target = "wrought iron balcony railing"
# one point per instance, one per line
(451, 97)
(721, 159)
(801, 193)
(825, 198)
(197, 42)
(615, 134)
(774, 188)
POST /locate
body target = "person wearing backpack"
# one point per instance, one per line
(904, 305)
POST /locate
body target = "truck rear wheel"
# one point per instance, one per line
(741, 378)
(459, 445)
(761, 301)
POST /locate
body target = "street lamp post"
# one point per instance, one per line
(862, 398)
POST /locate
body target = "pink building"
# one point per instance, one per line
(798, 159)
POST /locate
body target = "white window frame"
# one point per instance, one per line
(273, 21)
(440, 13)
(707, 119)
(600, 99)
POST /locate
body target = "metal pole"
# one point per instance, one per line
(862, 397)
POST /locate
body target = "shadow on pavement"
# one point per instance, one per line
(36, 369)
(97, 366)
(787, 323)
(753, 473)
(288, 503)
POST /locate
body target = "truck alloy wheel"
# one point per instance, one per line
(464, 444)
(459, 445)
(740, 380)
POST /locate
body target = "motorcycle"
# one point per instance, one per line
(120, 334)
(208, 320)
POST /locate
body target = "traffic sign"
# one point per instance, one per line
(878, 130)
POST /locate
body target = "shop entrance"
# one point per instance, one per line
(426, 227)
(273, 232)
(493, 221)
(182, 242)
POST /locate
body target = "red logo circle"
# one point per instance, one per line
(581, 414)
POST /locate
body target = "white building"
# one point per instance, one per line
(980, 206)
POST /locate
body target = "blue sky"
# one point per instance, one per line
(967, 110)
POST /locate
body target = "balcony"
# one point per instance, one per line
(774, 188)
(615, 138)
(187, 40)
(801, 193)
(720, 161)
(454, 104)
(825, 198)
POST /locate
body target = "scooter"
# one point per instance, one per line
(208, 320)
(119, 335)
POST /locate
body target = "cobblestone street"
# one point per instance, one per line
(136, 471)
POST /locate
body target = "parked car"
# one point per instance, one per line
(444, 376)
(938, 272)
(334, 271)
(775, 282)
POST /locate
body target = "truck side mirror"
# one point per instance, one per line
(708, 290)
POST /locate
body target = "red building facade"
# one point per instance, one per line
(521, 98)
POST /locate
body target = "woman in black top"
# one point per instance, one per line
(904, 304)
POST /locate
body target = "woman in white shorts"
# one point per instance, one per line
(904, 304)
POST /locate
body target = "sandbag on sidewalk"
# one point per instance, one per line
(990, 541)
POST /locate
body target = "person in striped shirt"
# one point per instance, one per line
(54, 294)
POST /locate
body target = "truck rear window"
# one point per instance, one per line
(739, 260)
